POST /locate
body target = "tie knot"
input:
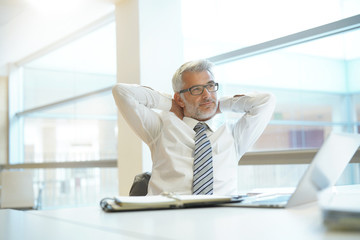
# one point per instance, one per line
(200, 126)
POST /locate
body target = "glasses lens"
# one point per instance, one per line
(211, 87)
(197, 90)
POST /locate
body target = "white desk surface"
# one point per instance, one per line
(302, 222)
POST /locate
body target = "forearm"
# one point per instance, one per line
(247, 103)
(258, 109)
(126, 93)
(135, 103)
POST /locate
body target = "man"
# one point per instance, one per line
(170, 134)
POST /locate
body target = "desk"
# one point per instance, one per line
(302, 222)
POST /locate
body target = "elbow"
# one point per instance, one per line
(120, 94)
(116, 89)
(268, 99)
(120, 90)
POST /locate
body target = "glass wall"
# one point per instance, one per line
(314, 86)
(69, 187)
(212, 27)
(65, 112)
(70, 131)
(315, 81)
(67, 108)
(256, 178)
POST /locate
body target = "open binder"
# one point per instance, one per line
(164, 201)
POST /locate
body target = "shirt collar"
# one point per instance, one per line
(191, 122)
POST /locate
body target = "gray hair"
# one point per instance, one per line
(192, 66)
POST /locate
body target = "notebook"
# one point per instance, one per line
(163, 201)
(323, 172)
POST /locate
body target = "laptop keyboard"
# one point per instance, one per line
(276, 199)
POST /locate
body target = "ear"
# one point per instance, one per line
(179, 100)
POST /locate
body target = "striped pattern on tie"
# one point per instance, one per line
(203, 170)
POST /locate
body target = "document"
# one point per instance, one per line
(164, 201)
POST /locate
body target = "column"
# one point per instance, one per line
(149, 50)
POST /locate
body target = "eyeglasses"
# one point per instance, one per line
(199, 89)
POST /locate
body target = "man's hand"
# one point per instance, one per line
(175, 108)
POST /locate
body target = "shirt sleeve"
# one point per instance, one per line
(136, 104)
(257, 108)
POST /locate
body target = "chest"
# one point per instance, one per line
(179, 137)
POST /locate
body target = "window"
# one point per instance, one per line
(316, 93)
(313, 72)
(57, 124)
(315, 80)
(213, 27)
(64, 121)
(68, 131)
(68, 187)
(312, 82)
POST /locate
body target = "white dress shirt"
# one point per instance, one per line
(171, 140)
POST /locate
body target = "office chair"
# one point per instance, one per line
(140, 184)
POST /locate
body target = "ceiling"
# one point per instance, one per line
(9, 9)
(76, 57)
(17, 12)
(28, 27)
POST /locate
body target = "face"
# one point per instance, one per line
(200, 107)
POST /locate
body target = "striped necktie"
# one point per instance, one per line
(203, 170)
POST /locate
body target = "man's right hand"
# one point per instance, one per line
(175, 108)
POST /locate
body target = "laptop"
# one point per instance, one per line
(323, 172)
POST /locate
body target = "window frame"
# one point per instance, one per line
(344, 25)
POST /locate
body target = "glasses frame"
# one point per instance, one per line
(203, 87)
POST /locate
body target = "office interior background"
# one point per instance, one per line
(59, 120)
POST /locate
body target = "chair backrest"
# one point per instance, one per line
(140, 184)
(17, 190)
